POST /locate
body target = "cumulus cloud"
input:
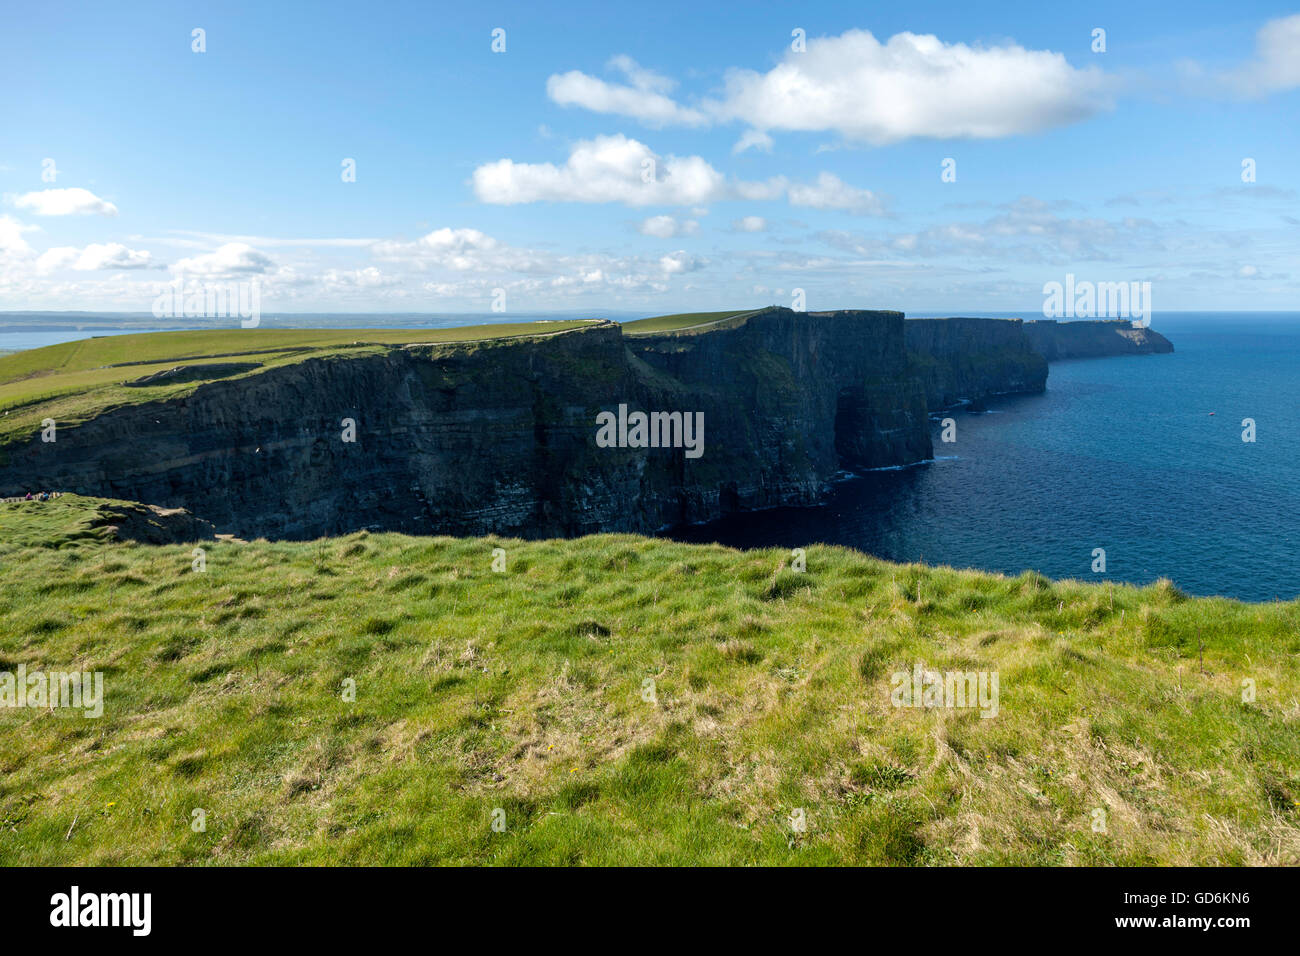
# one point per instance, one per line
(65, 202)
(831, 192)
(459, 249)
(681, 261)
(644, 97)
(607, 169)
(12, 243)
(665, 227)
(474, 263)
(753, 139)
(465, 251)
(913, 86)
(619, 169)
(370, 277)
(749, 224)
(97, 255)
(233, 258)
(1275, 66)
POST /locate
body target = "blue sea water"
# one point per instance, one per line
(1119, 453)
(21, 340)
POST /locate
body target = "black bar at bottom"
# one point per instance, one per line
(331, 906)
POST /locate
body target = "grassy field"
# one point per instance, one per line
(523, 698)
(678, 322)
(77, 380)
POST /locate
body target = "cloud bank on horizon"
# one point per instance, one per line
(901, 171)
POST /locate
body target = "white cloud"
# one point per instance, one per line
(463, 250)
(644, 99)
(681, 261)
(831, 192)
(12, 243)
(913, 86)
(665, 227)
(231, 259)
(750, 224)
(605, 169)
(909, 86)
(475, 263)
(107, 255)
(753, 139)
(345, 280)
(619, 169)
(1276, 64)
(65, 202)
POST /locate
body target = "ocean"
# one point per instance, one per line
(1121, 454)
(19, 340)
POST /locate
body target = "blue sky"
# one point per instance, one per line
(773, 168)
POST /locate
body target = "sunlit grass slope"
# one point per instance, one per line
(527, 692)
(678, 322)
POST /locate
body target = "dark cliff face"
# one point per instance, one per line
(968, 360)
(1093, 339)
(500, 436)
(813, 393)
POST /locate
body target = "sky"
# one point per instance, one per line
(649, 157)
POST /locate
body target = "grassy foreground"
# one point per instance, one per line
(525, 692)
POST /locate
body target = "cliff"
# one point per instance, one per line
(498, 436)
(1093, 338)
(960, 360)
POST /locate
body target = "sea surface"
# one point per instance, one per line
(1141, 456)
(1121, 454)
(22, 339)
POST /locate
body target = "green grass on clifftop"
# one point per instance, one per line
(526, 692)
(77, 380)
(679, 322)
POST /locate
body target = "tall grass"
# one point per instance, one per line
(623, 700)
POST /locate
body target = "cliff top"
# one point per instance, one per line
(771, 691)
(78, 380)
(692, 323)
(682, 322)
(965, 318)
